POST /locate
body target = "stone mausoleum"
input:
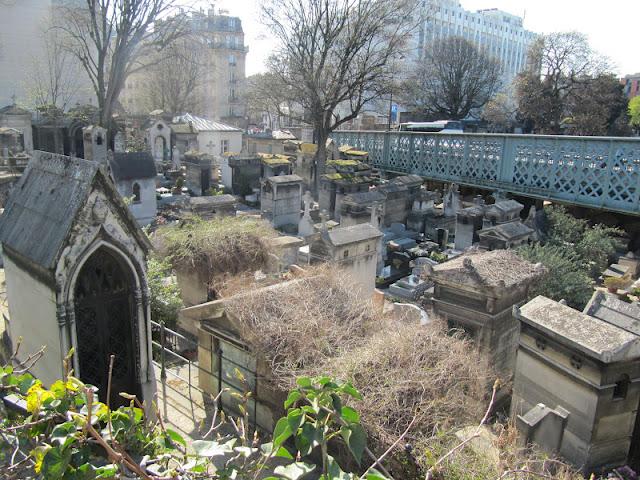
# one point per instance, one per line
(587, 370)
(75, 267)
(476, 292)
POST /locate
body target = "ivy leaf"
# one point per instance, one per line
(108, 471)
(281, 432)
(350, 415)
(245, 451)
(55, 462)
(304, 382)
(307, 439)
(295, 418)
(294, 471)
(206, 448)
(293, 397)
(351, 390)
(61, 432)
(84, 472)
(195, 466)
(38, 454)
(176, 437)
(356, 439)
(282, 452)
(334, 472)
(373, 474)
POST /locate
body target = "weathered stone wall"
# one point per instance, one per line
(599, 427)
(145, 210)
(32, 312)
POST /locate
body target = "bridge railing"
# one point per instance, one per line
(600, 172)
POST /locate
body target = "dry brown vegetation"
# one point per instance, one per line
(306, 322)
(220, 247)
(407, 370)
(317, 325)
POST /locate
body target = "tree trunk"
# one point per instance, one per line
(320, 159)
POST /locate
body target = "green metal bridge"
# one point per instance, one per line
(595, 172)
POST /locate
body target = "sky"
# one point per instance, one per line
(612, 25)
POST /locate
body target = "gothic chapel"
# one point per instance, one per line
(75, 266)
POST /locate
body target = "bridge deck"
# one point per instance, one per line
(595, 172)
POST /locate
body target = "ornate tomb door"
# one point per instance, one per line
(105, 325)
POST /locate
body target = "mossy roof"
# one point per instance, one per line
(274, 159)
(343, 163)
(347, 178)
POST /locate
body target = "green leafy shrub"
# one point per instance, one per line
(165, 294)
(68, 435)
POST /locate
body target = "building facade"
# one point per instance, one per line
(221, 90)
(23, 49)
(500, 34)
(631, 85)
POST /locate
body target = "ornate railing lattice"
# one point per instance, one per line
(601, 172)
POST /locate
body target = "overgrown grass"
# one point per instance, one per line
(228, 245)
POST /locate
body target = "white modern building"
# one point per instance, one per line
(501, 34)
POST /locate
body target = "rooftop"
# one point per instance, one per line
(364, 197)
(409, 180)
(610, 309)
(274, 159)
(352, 234)
(13, 110)
(285, 179)
(590, 335)
(346, 178)
(499, 268)
(132, 166)
(201, 124)
(212, 200)
(506, 206)
(44, 203)
(507, 230)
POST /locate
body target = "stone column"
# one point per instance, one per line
(71, 322)
(61, 316)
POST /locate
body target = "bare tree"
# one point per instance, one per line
(500, 112)
(55, 78)
(174, 83)
(267, 95)
(110, 37)
(454, 78)
(560, 64)
(335, 55)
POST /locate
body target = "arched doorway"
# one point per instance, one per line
(105, 322)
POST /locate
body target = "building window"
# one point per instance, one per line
(345, 254)
(224, 146)
(621, 388)
(136, 193)
(232, 59)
